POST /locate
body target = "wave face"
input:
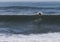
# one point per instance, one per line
(29, 7)
(17, 24)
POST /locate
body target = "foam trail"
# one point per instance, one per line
(48, 37)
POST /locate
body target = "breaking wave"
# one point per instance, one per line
(48, 37)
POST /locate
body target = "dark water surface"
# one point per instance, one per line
(26, 24)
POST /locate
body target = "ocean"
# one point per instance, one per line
(19, 22)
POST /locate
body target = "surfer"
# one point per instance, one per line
(39, 14)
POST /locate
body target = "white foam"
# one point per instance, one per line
(49, 37)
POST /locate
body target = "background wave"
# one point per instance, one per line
(29, 7)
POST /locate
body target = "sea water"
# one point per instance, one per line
(26, 30)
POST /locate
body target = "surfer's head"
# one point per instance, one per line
(39, 13)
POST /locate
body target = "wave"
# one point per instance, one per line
(18, 17)
(48, 37)
(30, 17)
(27, 24)
(18, 7)
(28, 7)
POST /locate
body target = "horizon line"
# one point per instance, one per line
(29, 1)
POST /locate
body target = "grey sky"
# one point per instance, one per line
(26, 0)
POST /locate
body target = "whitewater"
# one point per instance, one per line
(47, 37)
